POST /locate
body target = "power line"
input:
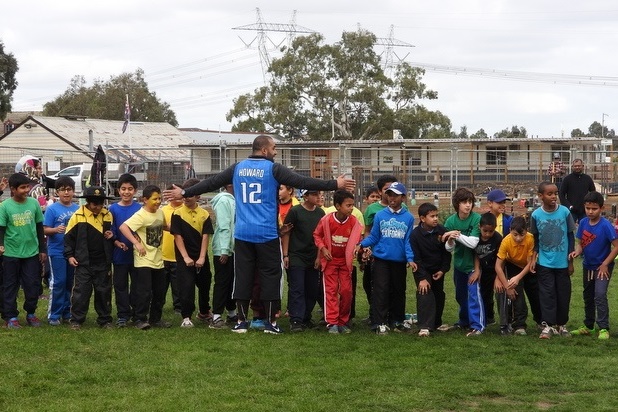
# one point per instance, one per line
(205, 76)
(194, 62)
(538, 77)
(176, 76)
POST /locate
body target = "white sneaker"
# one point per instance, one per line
(382, 330)
(563, 331)
(520, 332)
(424, 333)
(186, 323)
(547, 331)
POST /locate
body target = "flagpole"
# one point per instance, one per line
(129, 127)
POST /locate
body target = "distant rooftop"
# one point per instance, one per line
(207, 137)
(144, 140)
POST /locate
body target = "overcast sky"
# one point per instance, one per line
(194, 60)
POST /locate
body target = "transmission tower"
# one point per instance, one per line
(262, 28)
(391, 42)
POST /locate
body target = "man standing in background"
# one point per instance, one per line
(573, 189)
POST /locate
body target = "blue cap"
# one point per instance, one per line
(397, 188)
(497, 196)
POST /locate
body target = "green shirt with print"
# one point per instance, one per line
(20, 220)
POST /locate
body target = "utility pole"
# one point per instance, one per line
(603, 125)
(332, 120)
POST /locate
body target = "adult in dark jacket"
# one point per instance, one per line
(573, 189)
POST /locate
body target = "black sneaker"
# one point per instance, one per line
(309, 324)
(240, 327)
(272, 329)
(162, 324)
(296, 326)
(398, 327)
(506, 330)
(218, 324)
(142, 325)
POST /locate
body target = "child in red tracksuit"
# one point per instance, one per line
(336, 237)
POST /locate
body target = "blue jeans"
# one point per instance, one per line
(60, 286)
(471, 311)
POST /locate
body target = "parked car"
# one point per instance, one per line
(80, 174)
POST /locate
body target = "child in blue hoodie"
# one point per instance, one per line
(392, 253)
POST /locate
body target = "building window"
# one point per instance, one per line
(8, 126)
(361, 157)
(563, 152)
(413, 155)
(296, 159)
(215, 159)
(496, 155)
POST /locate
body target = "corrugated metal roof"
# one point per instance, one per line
(208, 137)
(411, 142)
(144, 140)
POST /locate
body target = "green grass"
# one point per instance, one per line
(50, 369)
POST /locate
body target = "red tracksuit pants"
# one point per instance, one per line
(337, 280)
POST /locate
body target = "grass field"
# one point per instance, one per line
(57, 369)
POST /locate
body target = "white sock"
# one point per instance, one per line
(231, 313)
(216, 317)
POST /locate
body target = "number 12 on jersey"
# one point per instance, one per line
(251, 192)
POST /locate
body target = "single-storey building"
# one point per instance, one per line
(424, 164)
(151, 148)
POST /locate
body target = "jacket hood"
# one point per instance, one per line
(218, 198)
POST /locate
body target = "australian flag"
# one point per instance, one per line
(127, 115)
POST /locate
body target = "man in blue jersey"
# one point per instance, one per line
(256, 183)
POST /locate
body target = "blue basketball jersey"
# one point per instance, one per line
(256, 192)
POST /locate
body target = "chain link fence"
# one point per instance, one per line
(426, 173)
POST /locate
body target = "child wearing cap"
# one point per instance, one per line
(301, 259)
(496, 201)
(381, 202)
(392, 253)
(88, 244)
